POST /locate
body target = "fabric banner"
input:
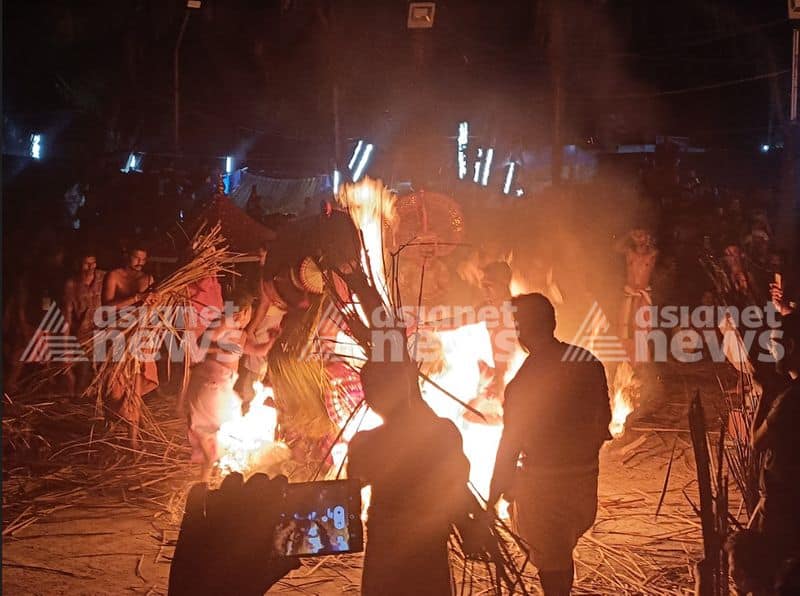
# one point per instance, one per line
(280, 195)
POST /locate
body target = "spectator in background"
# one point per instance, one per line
(125, 287)
(740, 283)
(82, 295)
(21, 315)
(775, 432)
(640, 258)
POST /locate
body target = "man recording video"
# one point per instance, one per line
(418, 473)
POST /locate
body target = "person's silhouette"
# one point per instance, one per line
(556, 416)
(418, 473)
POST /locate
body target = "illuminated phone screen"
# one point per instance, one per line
(319, 518)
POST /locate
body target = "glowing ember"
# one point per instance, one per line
(247, 443)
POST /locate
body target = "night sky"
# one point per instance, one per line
(256, 76)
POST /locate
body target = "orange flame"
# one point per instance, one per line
(620, 410)
(622, 401)
(372, 207)
(247, 443)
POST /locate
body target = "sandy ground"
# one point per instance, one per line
(106, 544)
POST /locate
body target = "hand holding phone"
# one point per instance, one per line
(319, 519)
(776, 295)
(225, 539)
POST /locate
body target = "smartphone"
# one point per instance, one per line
(319, 519)
(778, 280)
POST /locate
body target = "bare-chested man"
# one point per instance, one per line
(82, 296)
(124, 287)
(740, 281)
(640, 260)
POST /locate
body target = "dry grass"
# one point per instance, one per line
(73, 460)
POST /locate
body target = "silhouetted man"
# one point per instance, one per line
(778, 436)
(556, 416)
(418, 472)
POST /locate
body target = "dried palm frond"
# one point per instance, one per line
(744, 463)
(298, 379)
(160, 317)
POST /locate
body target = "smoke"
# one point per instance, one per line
(561, 242)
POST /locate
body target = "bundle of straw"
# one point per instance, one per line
(162, 313)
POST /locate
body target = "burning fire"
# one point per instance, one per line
(518, 286)
(464, 348)
(372, 207)
(247, 442)
(622, 401)
(620, 409)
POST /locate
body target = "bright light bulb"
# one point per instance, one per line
(36, 146)
(463, 139)
(355, 155)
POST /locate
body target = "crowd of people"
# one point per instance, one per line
(703, 247)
